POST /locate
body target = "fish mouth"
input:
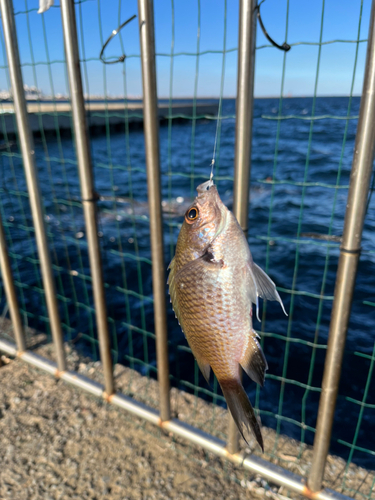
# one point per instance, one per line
(208, 199)
(203, 188)
(207, 188)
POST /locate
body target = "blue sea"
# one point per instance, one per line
(299, 179)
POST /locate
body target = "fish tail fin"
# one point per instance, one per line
(241, 409)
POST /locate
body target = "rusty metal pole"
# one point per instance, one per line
(31, 173)
(244, 135)
(348, 263)
(10, 291)
(89, 197)
(151, 130)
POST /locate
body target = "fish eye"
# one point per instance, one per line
(191, 215)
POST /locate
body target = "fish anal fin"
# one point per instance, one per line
(205, 369)
(253, 360)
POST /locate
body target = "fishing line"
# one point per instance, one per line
(285, 47)
(215, 143)
(218, 122)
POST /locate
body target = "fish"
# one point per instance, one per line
(213, 283)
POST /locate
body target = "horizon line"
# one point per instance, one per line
(259, 96)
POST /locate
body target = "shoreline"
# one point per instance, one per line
(136, 100)
(281, 450)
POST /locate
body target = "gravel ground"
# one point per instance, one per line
(57, 442)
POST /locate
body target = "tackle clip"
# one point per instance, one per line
(112, 35)
(285, 47)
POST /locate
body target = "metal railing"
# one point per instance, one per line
(151, 127)
(359, 186)
(89, 196)
(364, 150)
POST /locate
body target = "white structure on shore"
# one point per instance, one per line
(31, 94)
(4, 95)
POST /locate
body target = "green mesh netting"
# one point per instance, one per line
(119, 167)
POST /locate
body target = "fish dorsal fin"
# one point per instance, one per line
(261, 285)
(172, 287)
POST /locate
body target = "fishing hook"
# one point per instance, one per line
(112, 35)
(284, 46)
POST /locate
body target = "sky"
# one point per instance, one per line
(183, 28)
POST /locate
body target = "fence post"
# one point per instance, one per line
(28, 155)
(10, 291)
(244, 135)
(89, 196)
(347, 268)
(151, 130)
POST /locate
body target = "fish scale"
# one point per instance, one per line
(205, 330)
(213, 282)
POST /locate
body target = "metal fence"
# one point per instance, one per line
(53, 250)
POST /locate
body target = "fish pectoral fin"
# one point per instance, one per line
(253, 360)
(188, 275)
(266, 287)
(198, 268)
(261, 285)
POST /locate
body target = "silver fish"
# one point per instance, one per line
(213, 282)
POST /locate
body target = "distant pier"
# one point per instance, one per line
(53, 115)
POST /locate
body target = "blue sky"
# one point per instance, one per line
(183, 74)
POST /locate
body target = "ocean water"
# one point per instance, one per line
(300, 173)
